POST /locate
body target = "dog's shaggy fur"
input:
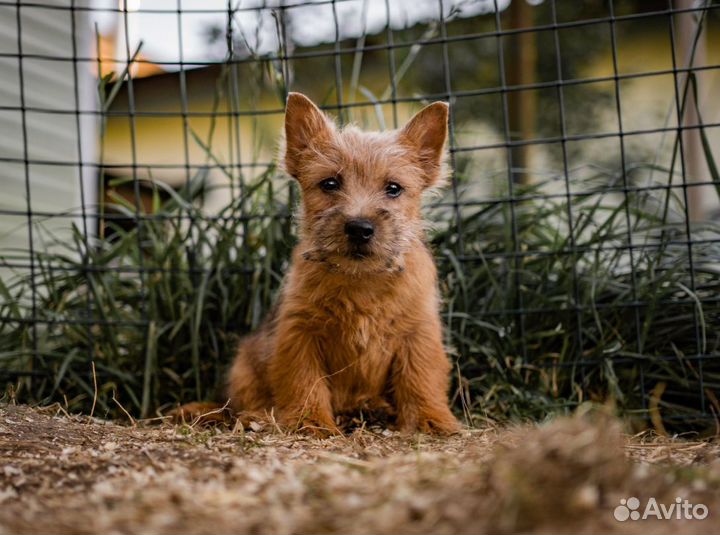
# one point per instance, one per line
(357, 326)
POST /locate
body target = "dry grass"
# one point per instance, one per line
(71, 474)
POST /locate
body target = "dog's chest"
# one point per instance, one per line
(358, 355)
(363, 339)
(359, 333)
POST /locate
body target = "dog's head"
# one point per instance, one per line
(362, 190)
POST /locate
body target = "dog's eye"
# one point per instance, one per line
(330, 184)
(393, 189)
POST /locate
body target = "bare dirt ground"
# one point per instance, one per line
(71, 474)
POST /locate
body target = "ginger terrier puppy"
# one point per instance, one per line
(357, 325)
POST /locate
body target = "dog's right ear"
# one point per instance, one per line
(305, 126)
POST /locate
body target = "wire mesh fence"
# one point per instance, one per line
(146, 223)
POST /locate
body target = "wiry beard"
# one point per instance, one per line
(323, 240)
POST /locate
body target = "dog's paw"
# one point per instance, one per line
(433, 424)
(445, 426)
(319, 430)
(314, 425)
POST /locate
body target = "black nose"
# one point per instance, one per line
(359, 231)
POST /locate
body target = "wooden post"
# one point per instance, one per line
(686, 25)
(521, 65)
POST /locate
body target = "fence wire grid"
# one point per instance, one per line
(145, 222)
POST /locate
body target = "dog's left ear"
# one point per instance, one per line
(426, 132)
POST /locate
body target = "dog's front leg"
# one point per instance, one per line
(420, 381)
(299, 385)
